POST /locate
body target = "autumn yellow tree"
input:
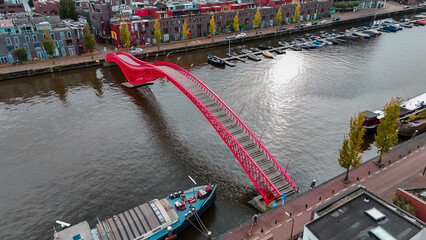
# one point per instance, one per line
(124, 35)
(256, 20)
(279, 17)
(157, 32)
(236, 23)
(387, 135)
(185, 30)
(296, 15)
(212, 27)
(351, 148)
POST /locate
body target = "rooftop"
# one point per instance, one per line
(363, 215)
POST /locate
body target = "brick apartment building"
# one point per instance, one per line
(27, 31)
(47, 7)
(11, 6)
(198, 20)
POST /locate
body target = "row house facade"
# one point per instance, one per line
(198, 24)
(7, 6)
(27, 34)
(98, 16)
(47, 8)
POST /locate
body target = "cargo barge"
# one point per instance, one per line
(156, 219)
(407, 108)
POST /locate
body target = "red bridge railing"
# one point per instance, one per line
(150, 71)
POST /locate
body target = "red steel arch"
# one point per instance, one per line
(137, 72)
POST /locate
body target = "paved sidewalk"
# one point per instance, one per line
(100, 52)
(382, 181)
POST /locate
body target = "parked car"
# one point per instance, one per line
(336, 19)
(406, 6)
(283, 28)
(314, 23)
(323, 21)
(230, 37)
(309, 24)
(241, 35)
(137, 51)
(300, 25)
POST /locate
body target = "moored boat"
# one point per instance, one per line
(279, 51)
(215, 60)
(231, 54)
(253, 49)
(154, 220)
(264, 47)
(267, 54)
(253, 57)
(407, 108)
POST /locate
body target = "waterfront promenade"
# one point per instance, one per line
(102, 50)
(403, 168)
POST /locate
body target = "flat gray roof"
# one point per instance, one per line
(349, 220)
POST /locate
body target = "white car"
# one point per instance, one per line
(309, 24)
(230, 37)
(241, 35)
(137, 51)
(323, 21)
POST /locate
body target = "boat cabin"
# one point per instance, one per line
(201, 194)
(370, 119)
(180, 205)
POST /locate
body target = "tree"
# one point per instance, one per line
(236, 24)
(185, 30)
(296, 15)
(21, 54)
(256, 20)
(157, 32)
(212, 26)
(31, 3)
(349, 153)
(387, 135)
(67, 9)
(404, 204)
(124, 35)
(48, 44)
(89, 39)
(279, 17)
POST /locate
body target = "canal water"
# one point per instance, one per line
(77, 145)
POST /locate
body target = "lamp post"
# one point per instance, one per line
(177, 60)
(292, 223)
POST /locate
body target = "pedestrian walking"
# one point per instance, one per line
(254, 219)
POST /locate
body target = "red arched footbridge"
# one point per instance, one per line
(264, 171)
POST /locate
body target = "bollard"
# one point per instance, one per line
(276, 221)
(306, 205)
(389, 161)
(357, 178)
(368, 172)
(409, 151)
(332, 191)
(261, 230)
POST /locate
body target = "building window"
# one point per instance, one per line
(68, 42)
(52, 36)
(35, 38)
(10, 49)
(26, 47)
(56, 44)
(62, 35)
(69, 34)
(37, 46)
(71, 51)
(27, 39)
(8, 41)
(16, 40)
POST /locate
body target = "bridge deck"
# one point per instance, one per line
(267, 175)
(243, 138)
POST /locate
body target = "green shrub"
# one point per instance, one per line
(404, 204)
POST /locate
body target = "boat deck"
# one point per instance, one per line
(141, 220)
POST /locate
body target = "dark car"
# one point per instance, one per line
(300, 25)
(336, 19)
(314, 23)
(282, 28)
